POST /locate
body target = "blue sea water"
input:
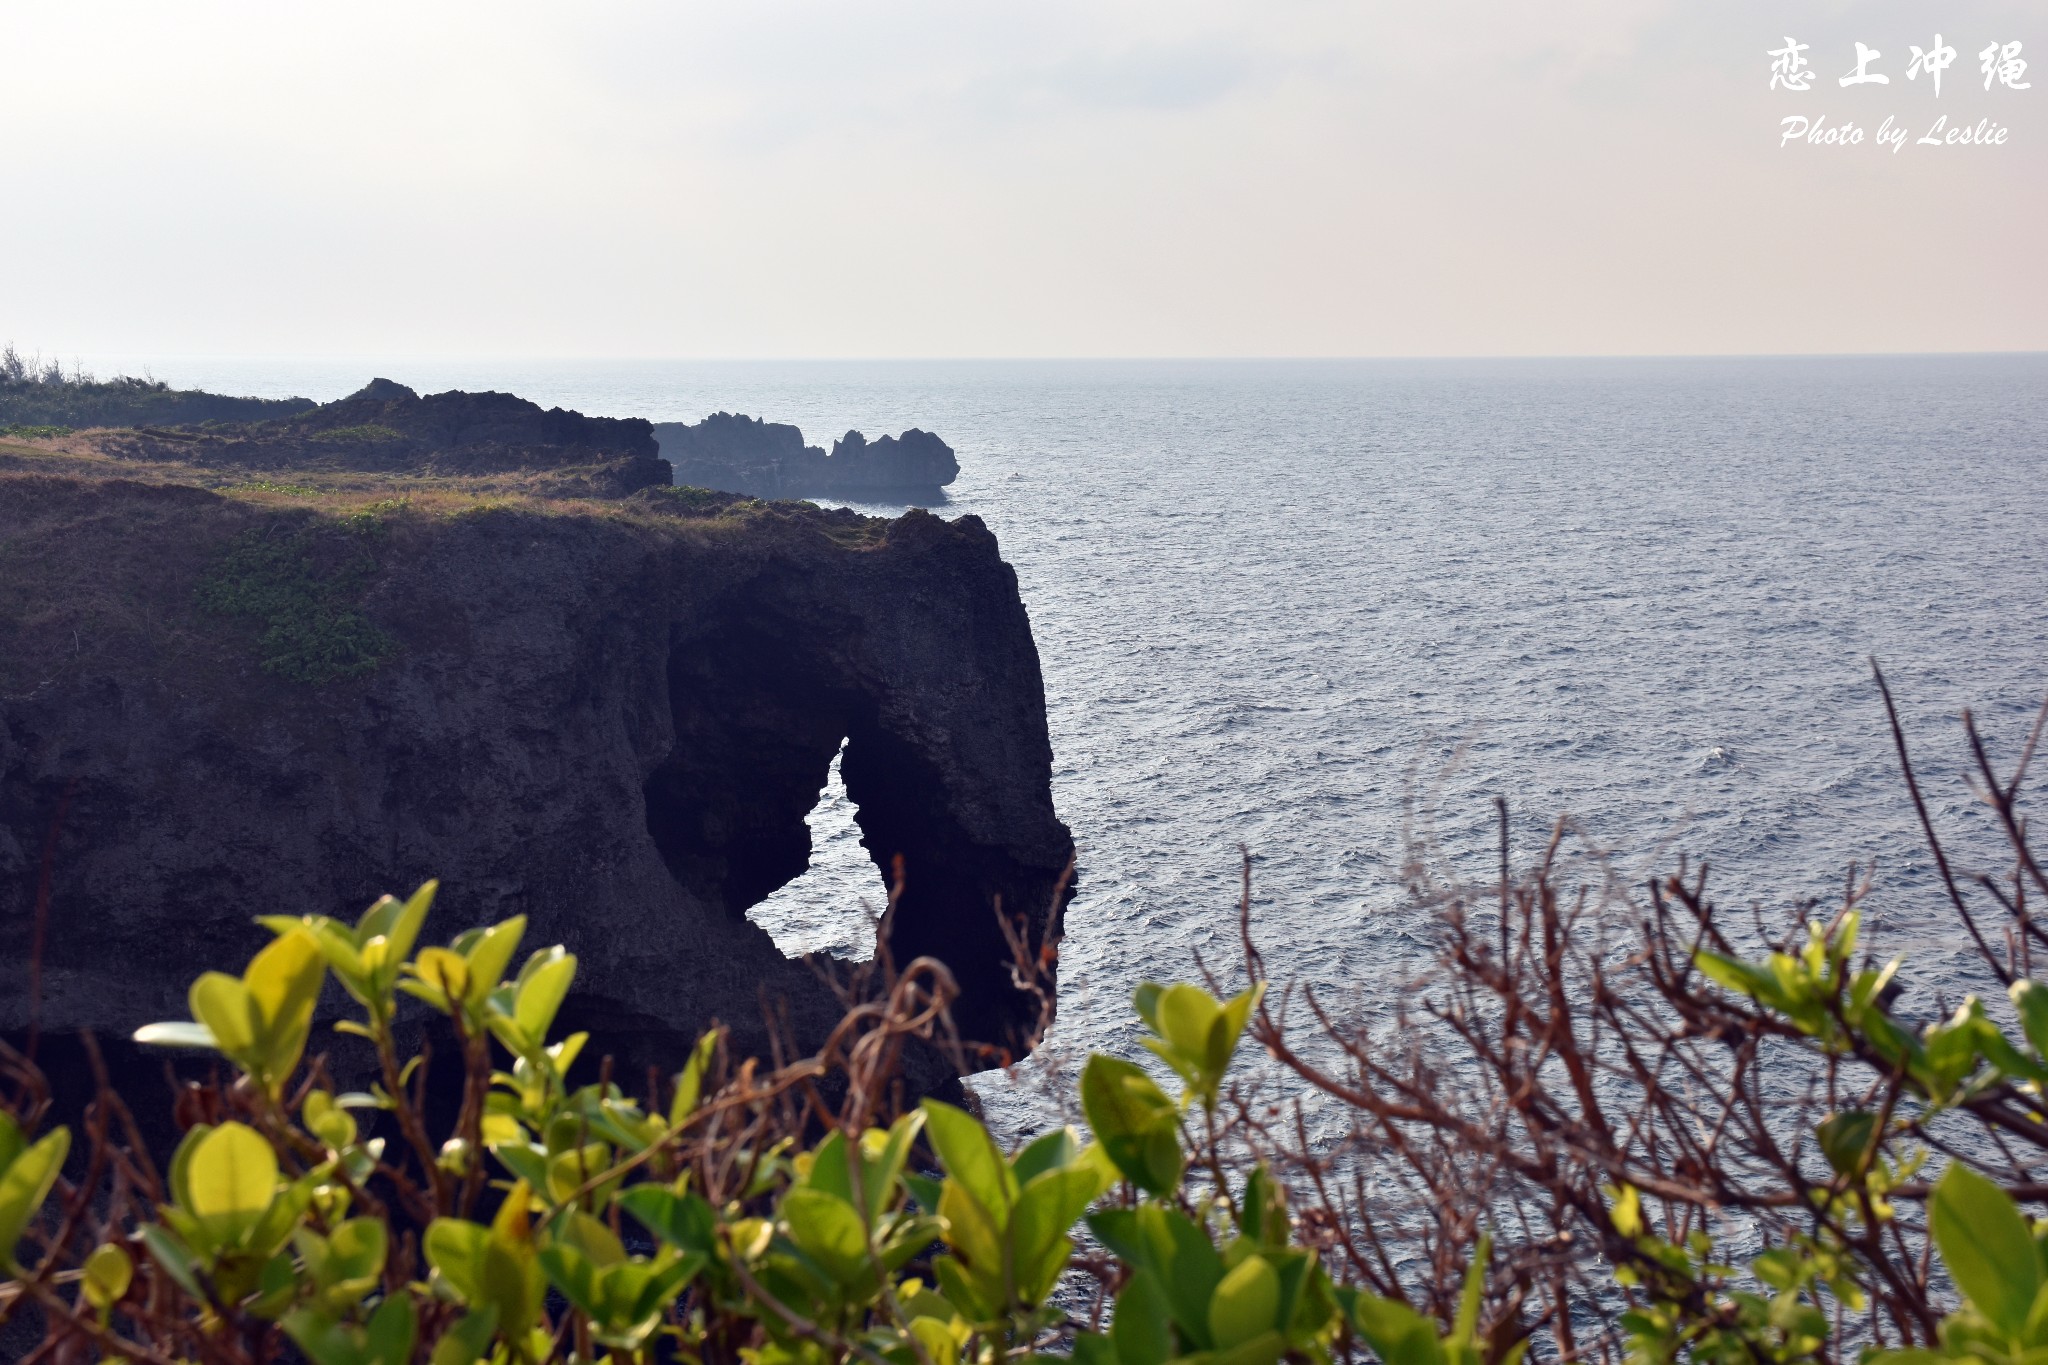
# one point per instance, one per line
(1327, 609)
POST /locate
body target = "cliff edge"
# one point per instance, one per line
(609, 716)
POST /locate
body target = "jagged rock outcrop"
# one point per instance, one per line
(387, 428)
(740, 454)
(612, 721)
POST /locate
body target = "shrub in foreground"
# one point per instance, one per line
(1556, 1153)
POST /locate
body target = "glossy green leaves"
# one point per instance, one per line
(1246, 1304)
(1987, 1247)
(623, 1296)
(494, 1269)
(1138, 1126)
(367, 957)
(1193, 1033)
(260, 1019)
(27, 1174)
(462, 976)
(1005, 1221)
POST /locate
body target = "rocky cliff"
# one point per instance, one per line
(770, 460)
(609, 716)
(386, 428)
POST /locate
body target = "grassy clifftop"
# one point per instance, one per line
(103, 552)
(43, 396)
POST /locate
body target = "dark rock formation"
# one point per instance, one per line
(387, 428)
(916, 459)
(613, 723)
(740, 454)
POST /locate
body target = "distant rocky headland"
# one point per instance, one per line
(288, 662)
(740, 454)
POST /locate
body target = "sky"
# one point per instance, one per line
(941, 178)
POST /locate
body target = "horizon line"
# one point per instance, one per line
(336, 357)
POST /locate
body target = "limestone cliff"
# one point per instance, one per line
(610, 717)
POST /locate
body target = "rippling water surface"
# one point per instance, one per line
(1277, 603)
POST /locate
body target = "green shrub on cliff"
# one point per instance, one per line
(304, 590)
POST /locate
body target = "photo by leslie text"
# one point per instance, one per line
(1999, 62)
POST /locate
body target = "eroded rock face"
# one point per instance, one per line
(740, 454)
(611, 723)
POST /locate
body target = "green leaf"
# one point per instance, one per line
(542, 991)
(1397, 1333)
(224, 1005)
(2030, 999)
(1145, 1000)
(455, 1249)
(463, 1343)
(327, 1120)
(971, 1231)
(1466, 1330)
(682, 1220)
(1136, 1123)
(356, 1250)
(284, 982)
(1049, 1206)
(690, 1083)
(1626, 1213)
(1245, 1304)
(1168, 1244)
(443, 978)
(512, 1283)
(108, 1273)
(971, 1157)
(577, 1276)
(1986, 1246)
(1060, 1147)
(26, 1183)
(1185, 1014)
(830, 1231)
(1264, 1217)
(1228, 1028)
(177, 1260)
(404, 928)
(231, 1181)
(1846, 1137)
(393, 1328)
(1740, 977)
(1140, 1328)
(490, 956)
(883, 1167)
(1263, 1349)
(963, 1292)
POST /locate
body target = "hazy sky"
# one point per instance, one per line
(1007, 178)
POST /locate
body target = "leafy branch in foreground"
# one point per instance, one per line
(1598, 1129)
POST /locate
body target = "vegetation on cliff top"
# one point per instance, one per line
(1660, 1148)
(303, 588)
(35, 392)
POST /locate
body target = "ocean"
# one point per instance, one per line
(1329, 610)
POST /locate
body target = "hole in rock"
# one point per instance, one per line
(832, 907)
(765, 720)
